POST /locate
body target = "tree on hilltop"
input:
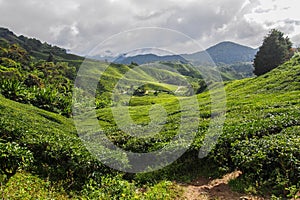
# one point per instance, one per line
(275, 50)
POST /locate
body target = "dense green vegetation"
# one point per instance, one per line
(275, 50)
(39, 50)
(42, 157)
(261, 131)
(44, 84)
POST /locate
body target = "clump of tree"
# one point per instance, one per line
(275, 50)
(46, 85)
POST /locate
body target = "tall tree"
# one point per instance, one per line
(275, 50)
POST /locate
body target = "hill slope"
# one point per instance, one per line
(261, 135)
(36, 48)
(230, 53)
(262, 113)
(224, 52)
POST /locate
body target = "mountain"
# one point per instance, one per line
(225, 53)
(36, 48)
(231, 58)
(148, 58)
(229, 53)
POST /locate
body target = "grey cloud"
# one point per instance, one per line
(261, 10)
(292, 21)
(269, 23)
(82, 24)
(242, 31)
(287, 29)
(296, 40)
(149, 15)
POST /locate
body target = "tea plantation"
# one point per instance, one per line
(42, 156)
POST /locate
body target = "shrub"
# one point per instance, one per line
(272, 161)
(13, 89)
(27, 186)
(109, 187)
(12, 157)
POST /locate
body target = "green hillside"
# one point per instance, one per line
(42, 156)
(261, 138)
(37, 49)
(260, 134)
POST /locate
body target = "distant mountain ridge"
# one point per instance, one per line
(148, 58)
(222, 53)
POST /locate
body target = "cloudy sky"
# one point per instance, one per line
(79, 25)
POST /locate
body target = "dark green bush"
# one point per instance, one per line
(272, 161)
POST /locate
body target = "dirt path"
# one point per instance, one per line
(206, 189)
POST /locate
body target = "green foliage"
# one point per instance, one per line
(48, 98)
(58, 153)
(163, 190)
(35, 48)
(33, 80)
(6, 72)
(261, 133)
(27, 186)
(236, 71)
(259, 110)
(9, 63)
(274, 51)
(13, 157)
(43, 84)
(63, 167)
(13, 89)
(109, 187)
(272, 161)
